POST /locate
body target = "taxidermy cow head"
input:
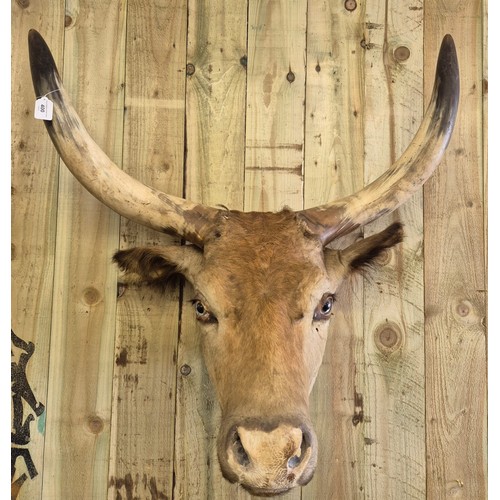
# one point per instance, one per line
(265, 283)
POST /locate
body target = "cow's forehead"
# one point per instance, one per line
(255, 246)
(259, 255)
(266, 237)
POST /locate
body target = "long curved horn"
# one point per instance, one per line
(98, 174)
(409, 172)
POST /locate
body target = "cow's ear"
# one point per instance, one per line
(362, 253)
(156, 266)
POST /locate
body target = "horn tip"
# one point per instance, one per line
(448, 51)
(447, 83)
(447, 65)
(43, 67)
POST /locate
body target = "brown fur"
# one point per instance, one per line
(261, 276)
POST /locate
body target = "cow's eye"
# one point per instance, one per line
(325, 307)
(202, 312)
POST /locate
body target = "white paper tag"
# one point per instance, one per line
(43, 109)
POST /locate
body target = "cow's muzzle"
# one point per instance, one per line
(268, 459)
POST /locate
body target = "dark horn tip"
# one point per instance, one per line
(447, 58)
(447, 75)
(43, 67)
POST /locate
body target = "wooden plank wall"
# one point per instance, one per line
(253, 105)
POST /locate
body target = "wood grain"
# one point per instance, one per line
(275, 105)
(391, 369)
(145, 375)
(455, 299)
(333, 169)
(33, 232)
(83, 329)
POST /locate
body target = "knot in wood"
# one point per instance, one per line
(95, 424)
(185, 370)
(388, 338)
(91, 296)
(350, 5)
(190, 69)
(463, 308)
(401, 53)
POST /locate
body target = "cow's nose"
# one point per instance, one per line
(250, 446)
(269, 462)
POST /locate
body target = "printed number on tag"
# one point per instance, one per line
(43, 108)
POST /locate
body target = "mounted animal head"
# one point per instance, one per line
(265, 282)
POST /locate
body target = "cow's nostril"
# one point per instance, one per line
(295, 460)
(239, 451)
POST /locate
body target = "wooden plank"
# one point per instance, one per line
(334, 168)
(82, 343)
(391, 368)
(274, 140)
(275, 105)
(34, 202)
(142, 445)
(484, 133)
(215, 96)
(455, 297)
(215, 131)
